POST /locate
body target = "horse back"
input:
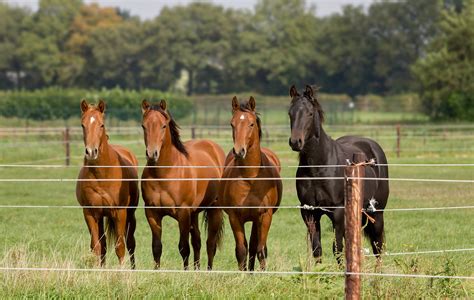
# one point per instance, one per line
(205, 153)
(272, 157)
(126, 155)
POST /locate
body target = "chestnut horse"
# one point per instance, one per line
(245, 192)
(121, 164)
(180, 199)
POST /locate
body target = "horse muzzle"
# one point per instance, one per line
(239, 152)
(91, 153)
(152, 155)
(296, 144)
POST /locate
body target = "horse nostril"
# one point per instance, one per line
(96, 152)
(155, 154)
(300, 142)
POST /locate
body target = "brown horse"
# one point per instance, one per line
(122, 165)
(246, 131)
(180, 199)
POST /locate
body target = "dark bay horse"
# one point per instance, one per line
(164, 150)
(315, 147)
(246, 132)
(123, 165)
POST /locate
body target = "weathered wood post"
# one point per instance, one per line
(193, 132)
(67, 145)
(354, 191)
(398, 140)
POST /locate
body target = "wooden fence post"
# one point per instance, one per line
(354, 191)
(193, 132)
(398, 140)
(67, 146)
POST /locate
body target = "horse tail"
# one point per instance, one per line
(218, 223)
(110, 232)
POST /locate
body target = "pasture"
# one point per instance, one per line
(54, 237)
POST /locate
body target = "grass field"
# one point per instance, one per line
(58, 238)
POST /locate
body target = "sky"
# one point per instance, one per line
(148, 9)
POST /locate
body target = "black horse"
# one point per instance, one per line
(317, 148)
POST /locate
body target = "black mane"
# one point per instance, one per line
(245, 107)
(174, 130)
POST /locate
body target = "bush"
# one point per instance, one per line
(57, 103)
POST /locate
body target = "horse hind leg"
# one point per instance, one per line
(103, 242)
(253, 246)
(375, 232)
(130, 234)
(214, 233)
(196, 240)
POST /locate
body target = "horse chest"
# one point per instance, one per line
(99, 196)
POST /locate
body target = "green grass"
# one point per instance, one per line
(58, 238)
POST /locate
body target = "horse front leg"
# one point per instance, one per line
(120, 221)
(155, 220)
(240, 241)
(196, 240)
(338, 226)
(263, 229)
(312, 221)
(184, 221)
(93, 226)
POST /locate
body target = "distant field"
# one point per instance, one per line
(58, 238)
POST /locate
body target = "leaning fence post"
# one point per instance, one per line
(354, 191)
(67, 145)
(398, 140)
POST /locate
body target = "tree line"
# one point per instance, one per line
(388, 48)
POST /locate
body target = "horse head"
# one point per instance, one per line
(245, 125)
(154, 124)
(306, 117)
(92, 121)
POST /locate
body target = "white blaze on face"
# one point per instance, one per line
(242, 117)
(92, 120)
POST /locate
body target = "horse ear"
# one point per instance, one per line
(252, 103)
(84, 105)
(293, 91)
(101, 106)
(145, 106)
(235, 103)
(163, 104)
(309, 91)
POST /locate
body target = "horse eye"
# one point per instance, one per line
(82, 125)
(143, 127)
(310, 114)
(164, 126)
(251, 125)
(102, 126)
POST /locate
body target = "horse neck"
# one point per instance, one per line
(107, 157)
(319, 152)
(169, 156)
(253, 158)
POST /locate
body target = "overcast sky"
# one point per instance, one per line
(151, 8)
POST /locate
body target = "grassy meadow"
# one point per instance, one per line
(58, 237)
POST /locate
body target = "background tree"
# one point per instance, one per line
(12, 23)
(446, 73)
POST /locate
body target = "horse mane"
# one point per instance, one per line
(245, 107)
(314, 100)
(174, 130)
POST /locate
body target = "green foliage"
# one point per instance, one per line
(446, 72)
(57, 103)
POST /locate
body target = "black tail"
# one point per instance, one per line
(220, 225)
